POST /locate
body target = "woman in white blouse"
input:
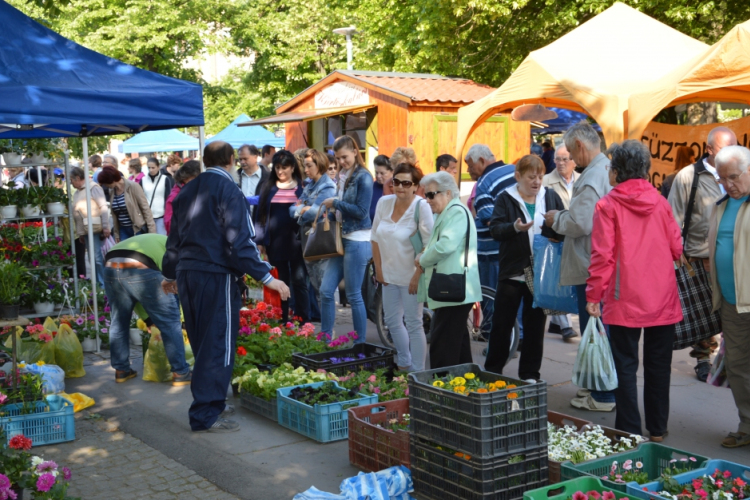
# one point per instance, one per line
(402, 225)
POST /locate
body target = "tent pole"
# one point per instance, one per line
(201, 145)
(92, 255)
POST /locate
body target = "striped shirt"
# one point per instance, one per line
(121, 210)
(496, 178)
(285, 196)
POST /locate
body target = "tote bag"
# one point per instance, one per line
(699, 322)
(324, 240)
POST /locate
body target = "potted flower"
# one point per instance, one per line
(8, 208)
(11, 152)
(53, 199)
(15, 461)
(45, 293)
(40, 150)
(135, 332)
(14, 281)
(46, 480)
(86, 331)
(28, 201)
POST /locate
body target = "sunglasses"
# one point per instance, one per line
(406, 184)
(431, 195)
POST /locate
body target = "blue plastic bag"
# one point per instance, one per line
(393, 483)
(53, 377)
(548, 294)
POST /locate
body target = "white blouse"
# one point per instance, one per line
(396, 251)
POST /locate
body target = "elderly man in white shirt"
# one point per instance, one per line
(561, 181)
(251, 174)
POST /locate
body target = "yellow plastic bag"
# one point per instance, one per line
(189, 356)
(78, 400)
(68, 352)
(50, 325)
(156, 367)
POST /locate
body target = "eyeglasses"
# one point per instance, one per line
(332, 168)
(559, 159)
(431, 195)
(406, 184)
(731, 180)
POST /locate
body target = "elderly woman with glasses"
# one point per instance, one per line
(451, 250)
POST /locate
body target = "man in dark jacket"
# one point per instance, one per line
(210, 248)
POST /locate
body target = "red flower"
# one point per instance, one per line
(20, 442)
(261, 306)
(255, 319)
(264, 327)
(241, 351)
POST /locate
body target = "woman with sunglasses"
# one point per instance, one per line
(277, 231)
(352, 206)
(445, 253)
(398, 218)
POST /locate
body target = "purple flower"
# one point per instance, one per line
(335, 360)
(104, 330)
(4, 482)
(46, 466)
(80, 321)
(66, 473)
(361, 356)
(102, 318)
(34, 263)
(45, 482)
(44, 253)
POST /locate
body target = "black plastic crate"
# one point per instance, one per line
(439, 475)
(481, 425)
(268, 409)
(377, 357)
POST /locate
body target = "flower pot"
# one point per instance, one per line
(8, 212)
(55, 208)
(44, 307)
(38, 159)
(135, 336)
(30, 211)
(90, 345)
(12, 158)
(18, 491)
(9, 311)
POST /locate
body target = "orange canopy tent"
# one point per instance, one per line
(593, 69)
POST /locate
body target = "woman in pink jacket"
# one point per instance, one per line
(634, 242)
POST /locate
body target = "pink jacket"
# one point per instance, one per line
(168, 209)
(634, 242)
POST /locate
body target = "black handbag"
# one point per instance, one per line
(324, 240)
(451, 287)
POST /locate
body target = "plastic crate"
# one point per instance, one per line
(377, 357)
(439, 475)
(482, 425)
(655, 458)
(42, 426)
(565, 490)
(268, 409)
(649, 491)
(560, 420)
(323, 423)
(373, 448)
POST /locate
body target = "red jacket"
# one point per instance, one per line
(168, 209)
(634, 241)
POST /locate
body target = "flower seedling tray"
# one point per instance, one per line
(268, 409)
(363, 357)
(323, 423)
(373, 448)
(655, 458)
(482, 425)
(560, 420)
(440, 475)
(566, 489)
(649, 491)
(42, 425)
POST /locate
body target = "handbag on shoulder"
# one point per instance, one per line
(451, 287)
(699, 321)
(324, 240)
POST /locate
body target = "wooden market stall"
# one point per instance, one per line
(383, 111)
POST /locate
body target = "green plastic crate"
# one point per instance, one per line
(565, 490)
(655, 458)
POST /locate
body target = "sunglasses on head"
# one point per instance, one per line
(431, 195)
(399, 182)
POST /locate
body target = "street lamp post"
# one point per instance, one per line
(348, 32)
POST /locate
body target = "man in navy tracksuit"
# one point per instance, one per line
(210, 248)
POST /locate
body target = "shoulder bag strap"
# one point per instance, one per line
(153, 194)
(468, 235)
(689, 211)
(416, 214)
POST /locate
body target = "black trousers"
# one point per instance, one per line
(507, 301)
(657, 365)
(294, 273)
(450, 343)
(211, 308)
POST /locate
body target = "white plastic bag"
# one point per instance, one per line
(594, 368)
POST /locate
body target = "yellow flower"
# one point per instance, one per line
(469, 376)
(512, 395)
(481, 390)
(460, 389)
(458, 381)
(40, 363)
(500, 384)
(21, 365)
(438, 383)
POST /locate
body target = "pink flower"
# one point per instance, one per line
(579, 495)
(406, 392)
(697, 484)
(719, 483)
(45, 482)
(627, 465)
(372, 378)
(727, 474)
(66, 473)
(376, 390)
(3, 397)
(353, 335)
(701, 493)
(608, 495)
(593, 495)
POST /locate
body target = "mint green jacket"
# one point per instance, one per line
(444, 253)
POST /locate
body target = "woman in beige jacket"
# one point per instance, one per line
(99, 219)
(130, 212)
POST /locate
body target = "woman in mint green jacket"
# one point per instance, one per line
(445, 254)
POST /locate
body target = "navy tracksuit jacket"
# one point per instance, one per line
(209, 248)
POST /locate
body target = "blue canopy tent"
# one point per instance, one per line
(159, 140)
(257, 135)
(53, 87)
(565, 119)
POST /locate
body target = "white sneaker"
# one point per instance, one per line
(582, 393)
(590, 404)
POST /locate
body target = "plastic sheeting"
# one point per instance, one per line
(390, 484)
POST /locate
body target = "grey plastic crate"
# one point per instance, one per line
(260, 406)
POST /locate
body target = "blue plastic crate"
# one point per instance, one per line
(323, 423)
(648, 491)
(42, 426)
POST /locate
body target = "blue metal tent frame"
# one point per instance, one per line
(257, 135)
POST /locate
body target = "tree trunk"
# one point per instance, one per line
(702, 113)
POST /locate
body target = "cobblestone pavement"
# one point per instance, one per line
(110, 464)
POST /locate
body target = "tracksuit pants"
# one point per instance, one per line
(211, 308)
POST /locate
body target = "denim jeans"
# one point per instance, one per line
(400, 307)
(316, 270)
(126, 232)
(489, 270)
(352, 268)
(583, 320)
(99, 271)
(160, 227)
(126, 287)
